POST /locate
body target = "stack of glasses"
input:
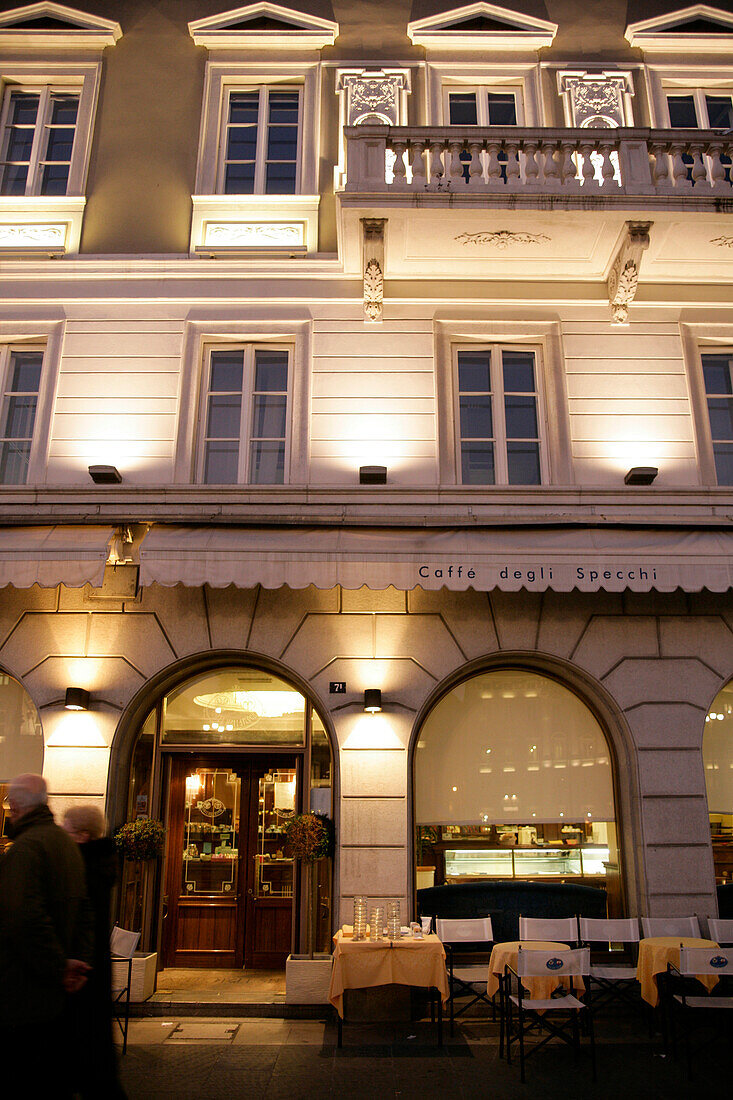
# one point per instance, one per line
(393, 921)
(360, 918)
(376, 923)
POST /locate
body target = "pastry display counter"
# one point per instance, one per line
(464, 864)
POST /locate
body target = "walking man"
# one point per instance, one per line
(45, 939)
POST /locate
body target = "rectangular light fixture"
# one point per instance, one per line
(372, 475)
(105, 475)
(641, 475)
(76, 699)
(373, 700)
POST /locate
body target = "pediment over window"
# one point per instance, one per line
(701, 28)
(50, 26)
(263, 25)
(482, 26)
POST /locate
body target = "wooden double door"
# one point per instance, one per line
(229, 884)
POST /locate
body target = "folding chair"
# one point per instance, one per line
(618, 981)
(557, 929)
(122, 945)
(670, 926)
(720, 930)
(540, 1013)
(472, 935)
(697, 962)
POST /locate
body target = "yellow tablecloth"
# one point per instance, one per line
(505, 954)
(406, 962)
(654, 954)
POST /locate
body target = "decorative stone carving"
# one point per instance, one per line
(501, 238)
(624, 276)
(722, 242)
(373, 97)
(33, 235)
(596, 99)
(255, 234)
(373, 229)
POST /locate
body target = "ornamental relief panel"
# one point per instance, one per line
(595, 100)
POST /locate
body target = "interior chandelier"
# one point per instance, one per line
(241, 709)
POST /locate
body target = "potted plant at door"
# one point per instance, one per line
(309, 838)
(139, 842)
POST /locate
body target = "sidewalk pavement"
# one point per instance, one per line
(298, 1059)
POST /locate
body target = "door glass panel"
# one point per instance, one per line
(277, 799)
(234, 706)
(210, 832)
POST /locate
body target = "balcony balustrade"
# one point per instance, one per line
(604, 163)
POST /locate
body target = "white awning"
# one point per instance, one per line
(536, 559)
(48, 556)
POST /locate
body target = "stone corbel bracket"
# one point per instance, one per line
(373, 252)
(624, 276)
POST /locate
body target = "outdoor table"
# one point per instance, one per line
(654, 954)
(505, 954)
(361, 964)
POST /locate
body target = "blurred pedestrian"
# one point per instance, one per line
(92, 1015)
(45, 941)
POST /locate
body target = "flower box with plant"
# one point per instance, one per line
(140, 840)
(308, 839)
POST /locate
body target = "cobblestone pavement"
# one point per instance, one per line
(225, 1058)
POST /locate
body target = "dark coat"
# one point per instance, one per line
(100, 865)
(44, 919)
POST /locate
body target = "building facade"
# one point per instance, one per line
(352, 348)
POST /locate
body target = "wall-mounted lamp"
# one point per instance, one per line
(373, 700)
(372, 475)
(77, 699)
(105, 475)
(641, 475)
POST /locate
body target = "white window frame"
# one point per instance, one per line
(521, 78)
(545, 340)
(7, 351)
(201, 334)
(699, 97)
(249, 350)
(498, 419)
(48, 338)
(264, 91)
(482, 92)
(683, 79)
(37, 159)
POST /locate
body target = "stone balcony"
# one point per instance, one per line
(528, 164)
(549, 204)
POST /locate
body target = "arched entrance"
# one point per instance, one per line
(513, 778)
(717, 755)
(224, 758)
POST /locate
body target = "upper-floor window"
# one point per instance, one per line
(20, 374)
(38, 130)
(700, 108)
(245, 416)
(717, 368)
(482, 106)
(498, 403)
(261, 141)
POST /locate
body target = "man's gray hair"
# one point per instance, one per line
(28, 791)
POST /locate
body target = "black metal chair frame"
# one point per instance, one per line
(541, 1022)
(466, 987)
(678, 1002)
(120, 1006)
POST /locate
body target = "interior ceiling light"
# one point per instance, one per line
(241, 707)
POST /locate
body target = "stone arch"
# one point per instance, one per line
(602, 707)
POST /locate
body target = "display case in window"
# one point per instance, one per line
(276, 803)
(462, 864)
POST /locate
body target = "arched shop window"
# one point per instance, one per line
(246, 745)
(717, 755)
(21, 737)
(513, 779)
